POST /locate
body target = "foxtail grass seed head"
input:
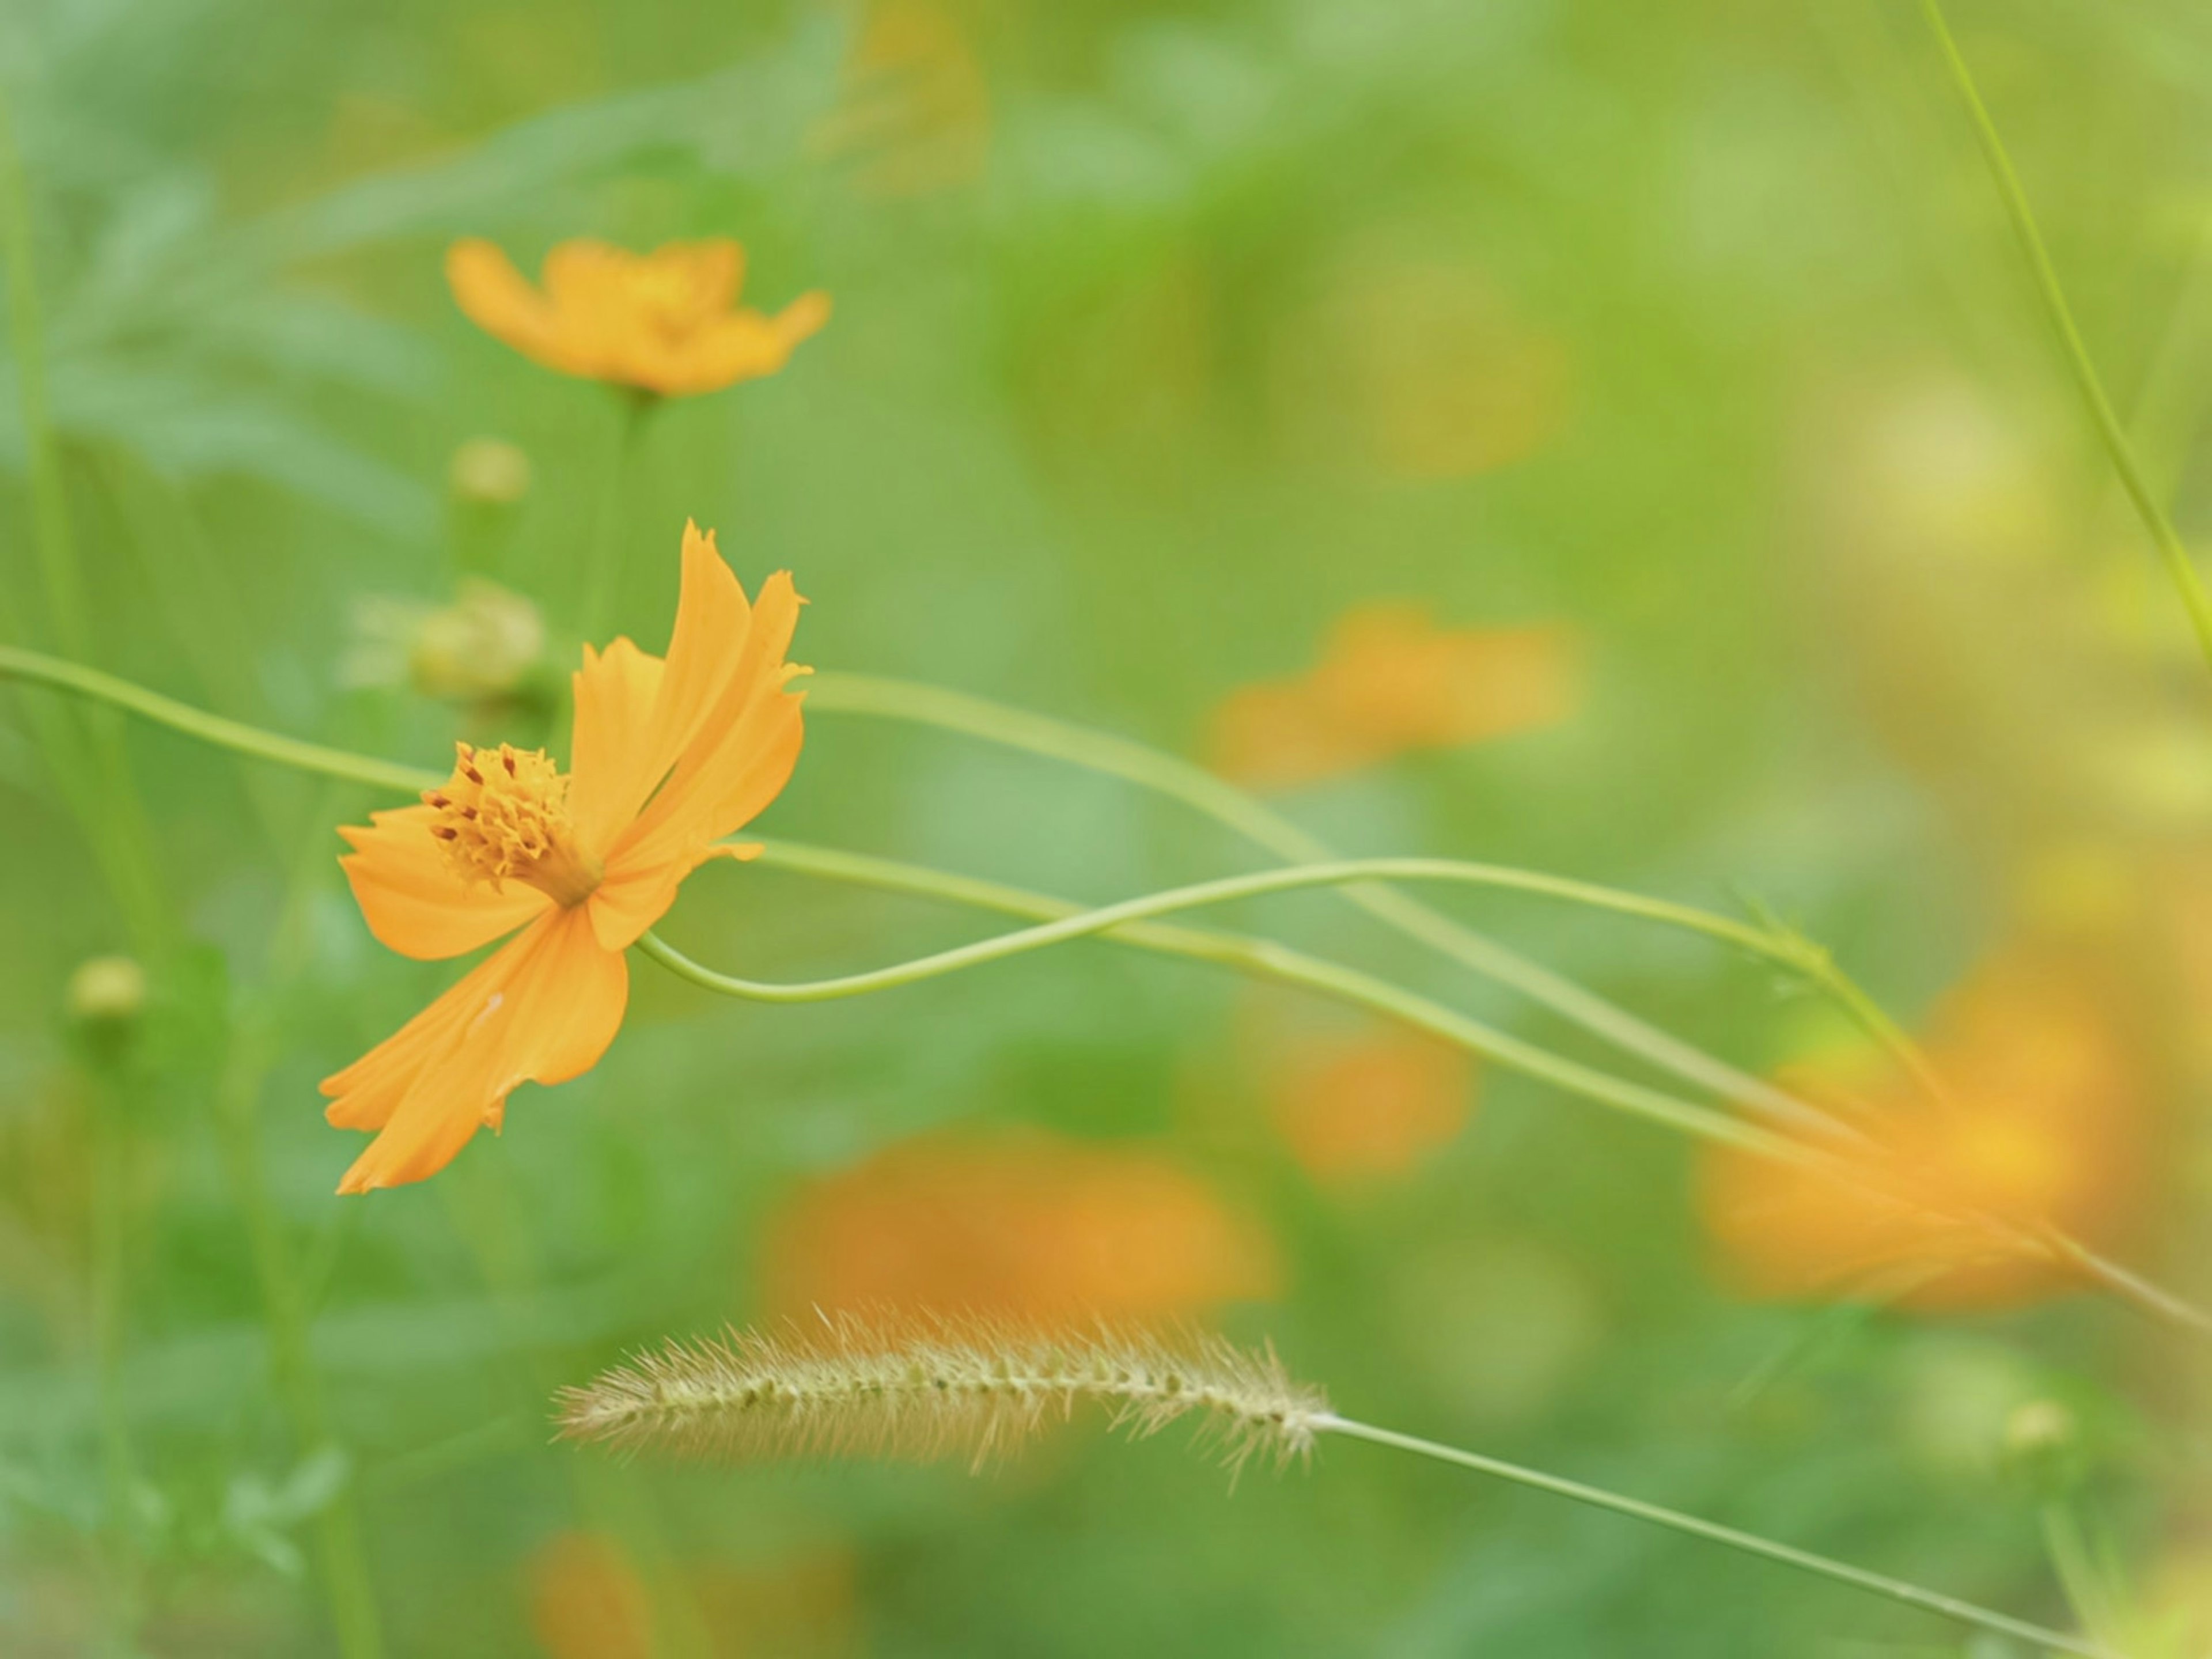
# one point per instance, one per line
(917, 1388)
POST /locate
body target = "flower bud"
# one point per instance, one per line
(107, 991)
(481, 647)
(490, 472)
(2043, 1447)
(484, 646)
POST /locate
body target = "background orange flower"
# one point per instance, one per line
(589, 1600)
(1016, 1222)
(2047, 1122)
(665, 322)
(1356, 1104)
(1391, 681)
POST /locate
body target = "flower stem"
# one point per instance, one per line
(1263, 957)
(341, 1549)
(1235, 810)
(37, 667)
(27, 334)
(608, 548)
(109, 1304)
(1340, 873)
(2172, 551)
(1268, 959)
(1948, 1606)
(88, 766)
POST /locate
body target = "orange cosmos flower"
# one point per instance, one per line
(2046, 1124)
(665, 322)
(1391, 681)
(1023, 1224)
(1358, 1108)
(669, 757)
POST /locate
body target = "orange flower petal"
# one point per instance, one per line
(1026, 1225)
(615, 693)
(634, 896)
(746, 345)
(730, 731)
(542, 1009)
(414, 901)
(498, 299)
(664, 322)
(2046, 1123)
(741, 754)
(713, 621)
(1390, 682)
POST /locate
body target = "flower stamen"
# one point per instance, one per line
(503, 816)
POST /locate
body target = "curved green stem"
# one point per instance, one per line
(2172, 551)
(1259, 884)
(1264, 958)
(1896, 1589)
(39, 669)
(1259, 956)
(1232, 808)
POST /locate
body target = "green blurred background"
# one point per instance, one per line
(1165, 335)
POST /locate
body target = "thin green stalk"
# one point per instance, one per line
(2093, 1583)
(89, 769)
(2129, 1287)
(1241, 813)
(1784, 949)
(26, 337)
(234, 735)
(1267, 959)
(1259, 884)
(608, 550)
(342, 1552)
(2172, 551)
(480, 1202)
(1264, 958)
(1259, 956)
(110, 1280)
(1896, 1589)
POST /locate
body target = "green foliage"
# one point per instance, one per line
(1689, 326)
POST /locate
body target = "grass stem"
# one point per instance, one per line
(1254, 821)
(2172, 552)
(1262, 957)
(1895, 1589)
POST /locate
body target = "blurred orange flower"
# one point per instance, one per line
(2046, 1124)
(589, 1601)
(1391, 681)
(1359, 1106)
(665, 322)
(1021, 1223)
(669, 757)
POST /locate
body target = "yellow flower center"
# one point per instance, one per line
(503, 817)
(669, 300)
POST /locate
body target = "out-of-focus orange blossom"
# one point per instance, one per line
(666, 323)
(913, 117)
(1391, 681)
(588, 1600)
(2046, 1124)
(1367, 1105)
(1020, 1223)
